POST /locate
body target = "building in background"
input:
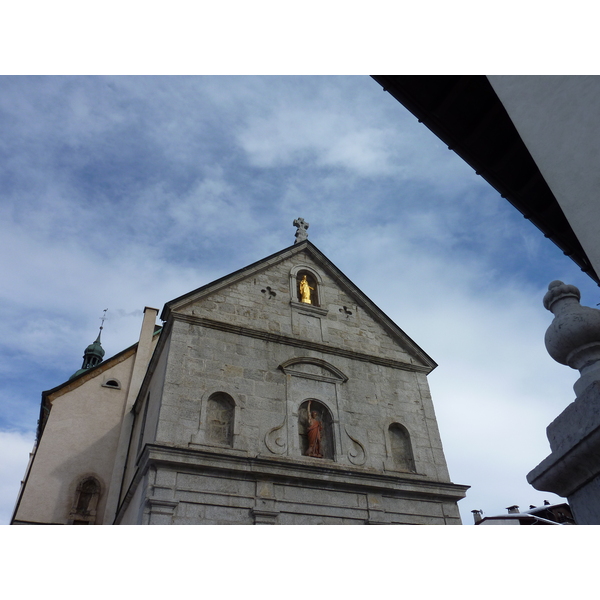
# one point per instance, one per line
(279, 394)
(549, 514)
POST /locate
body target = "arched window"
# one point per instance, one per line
(307, 288)
(402, 453)
(316, 430)
(220, 412)
(112, 383)
(85, 502)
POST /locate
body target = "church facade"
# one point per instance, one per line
(279, 394)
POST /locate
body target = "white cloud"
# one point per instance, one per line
(296, 135)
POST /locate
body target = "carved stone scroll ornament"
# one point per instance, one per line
(274, 440)
(357, 455)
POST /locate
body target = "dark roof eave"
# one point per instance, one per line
(466, 114)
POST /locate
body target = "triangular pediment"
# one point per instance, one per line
(264, 297)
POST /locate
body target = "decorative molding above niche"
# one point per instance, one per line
(301, 367)
(309, 308)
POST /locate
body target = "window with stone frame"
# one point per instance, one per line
(220, 412)
(402, 452)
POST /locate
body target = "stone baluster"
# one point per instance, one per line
(573, 468)
(573, 337)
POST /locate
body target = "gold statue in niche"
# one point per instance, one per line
(305, 291)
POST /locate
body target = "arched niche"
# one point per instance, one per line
(401, 448)
(220, 413)
(85, 502)
(322, 416)
(313, 280)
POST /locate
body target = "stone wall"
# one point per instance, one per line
(267, 301)
(204, 361)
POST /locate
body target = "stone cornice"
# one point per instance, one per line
(332, 474)
(309, 308)
(574, 438)
(563, 473)
(298, 343)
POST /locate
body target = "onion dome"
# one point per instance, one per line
(93, 354)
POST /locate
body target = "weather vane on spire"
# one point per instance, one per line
(301, 233)
(103, 318)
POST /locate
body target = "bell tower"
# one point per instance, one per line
(94, 353)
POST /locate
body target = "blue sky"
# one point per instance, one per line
(125, 192)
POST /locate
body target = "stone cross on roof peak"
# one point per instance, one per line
(301, 233)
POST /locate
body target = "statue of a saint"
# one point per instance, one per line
(305, 291)
(315, 427)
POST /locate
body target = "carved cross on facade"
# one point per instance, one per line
(269, 293)
(301, 233)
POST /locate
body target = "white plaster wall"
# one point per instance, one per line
(80, 438)
(558, 119)
(154, 393)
